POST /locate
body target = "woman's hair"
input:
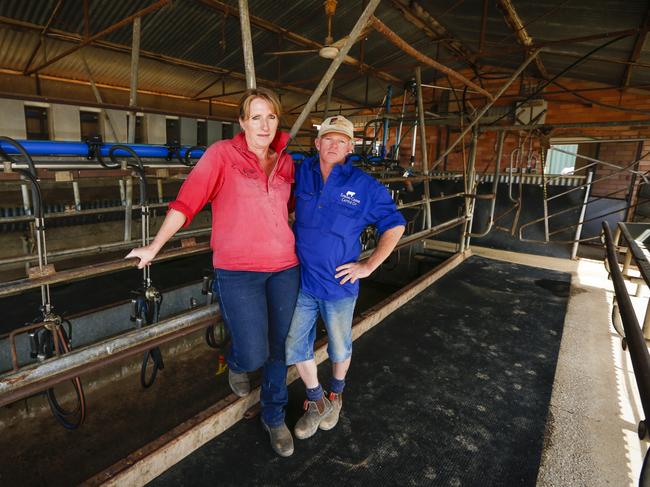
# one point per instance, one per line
(264, 94)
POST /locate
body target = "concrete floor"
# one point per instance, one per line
(591, 432)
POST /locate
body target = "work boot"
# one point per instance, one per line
(239, 383)
(281, 439)
(315, 412)
(332, 418)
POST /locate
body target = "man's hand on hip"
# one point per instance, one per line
(353, 271)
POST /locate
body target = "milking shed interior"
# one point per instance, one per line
(501, 343)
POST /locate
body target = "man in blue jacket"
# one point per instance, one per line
(335, 201)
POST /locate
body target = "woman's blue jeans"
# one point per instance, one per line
(257, 308)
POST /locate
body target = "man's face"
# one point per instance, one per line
(333, 147)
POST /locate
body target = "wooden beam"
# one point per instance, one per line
(423, 20)
(297, 38)
(141, 13)
(636, 49)
(41, 38)
(380, 27)
(517, 25)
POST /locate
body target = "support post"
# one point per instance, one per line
(77, 197)
(583, 210)
(423, 144)
(247, 44)
(330, 87)
(471, 194)
(128, 209)
(135, 63)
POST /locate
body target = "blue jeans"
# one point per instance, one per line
(257, 309)
(337, 315)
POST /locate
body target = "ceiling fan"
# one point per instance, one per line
(331, 48)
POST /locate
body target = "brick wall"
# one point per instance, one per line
(563, 108)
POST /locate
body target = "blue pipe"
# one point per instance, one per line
(82, 149)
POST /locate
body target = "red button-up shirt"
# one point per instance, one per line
(250, 230)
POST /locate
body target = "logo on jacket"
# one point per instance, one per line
(348, 197)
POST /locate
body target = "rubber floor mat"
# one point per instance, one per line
(451, 389)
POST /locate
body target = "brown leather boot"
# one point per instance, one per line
(332, 418)
(315, 412)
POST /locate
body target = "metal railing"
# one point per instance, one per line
(633, 341)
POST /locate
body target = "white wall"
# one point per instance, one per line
(64, 122)
(155, 129)
(12, 121)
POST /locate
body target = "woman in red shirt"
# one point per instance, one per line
(248, 180)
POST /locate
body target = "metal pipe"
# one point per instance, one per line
(34, 378)
(634, 337)
(592, 159)
(613, 174)
(68, 214)
(26, 203)
(470, 189)
(336, 62)
(384, 135)
(574, 249)
(77, 196)
(128, 209)
(398, 136)
(20, 285)
(135, 63)
(330, 87)
(487, 106)
(247, 44)
(423, 142)
(495, 183)
(576, 125)
(98, 249)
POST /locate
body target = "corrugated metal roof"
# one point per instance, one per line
(193, 31)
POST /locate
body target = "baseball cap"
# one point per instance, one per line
(338, 124)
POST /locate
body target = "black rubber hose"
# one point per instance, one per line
(69, 419)
(137, 166)
(187, 159)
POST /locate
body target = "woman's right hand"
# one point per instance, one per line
(145, 254)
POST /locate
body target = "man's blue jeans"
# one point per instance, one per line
(257, 308)
(337, 315)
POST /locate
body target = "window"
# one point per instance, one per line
(173, 131)
(201, 132)
(560, 162)
(226, 131)
(139, 129)
(36, 123)
(89, 122)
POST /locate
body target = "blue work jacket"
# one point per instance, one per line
(329, 220)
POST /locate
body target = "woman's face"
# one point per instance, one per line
(261, 124)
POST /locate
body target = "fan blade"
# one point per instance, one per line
(284, 53)
(339, 43)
